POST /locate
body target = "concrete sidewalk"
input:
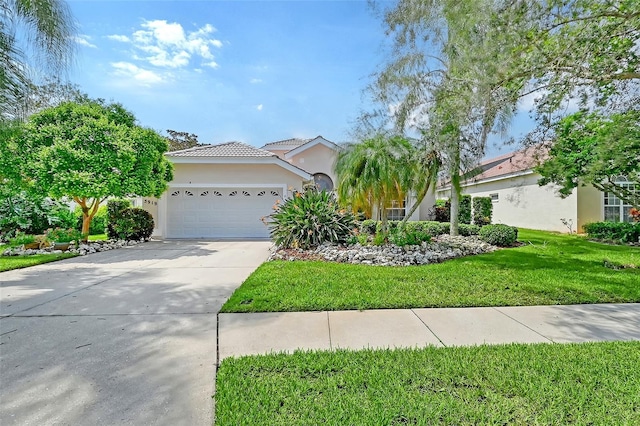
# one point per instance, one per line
(261, 333)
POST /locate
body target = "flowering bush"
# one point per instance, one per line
(60, 235)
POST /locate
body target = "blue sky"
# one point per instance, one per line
(252, 71)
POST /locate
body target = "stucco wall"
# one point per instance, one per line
(590, 206)
(521, 202)
(317, 159)
(235, 174)
(426, 206)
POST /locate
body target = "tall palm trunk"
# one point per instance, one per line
(455, 190)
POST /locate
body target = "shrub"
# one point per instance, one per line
(379, 239)
(468, 230)
(28, 212)
(61, 235)
(482, 210)
(21, 238)
(411, 237)
(614, 231)
(310, 218)
(115, 209)
(133, 224)
(369, 226)
(65, 218)
(442, 211)
(464, 214)
(98, 223)
(499, 235)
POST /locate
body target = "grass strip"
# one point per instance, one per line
(588, 383)
(8, 263)
(547, 269)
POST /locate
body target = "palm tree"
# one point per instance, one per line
(47, 44)
(373, 173)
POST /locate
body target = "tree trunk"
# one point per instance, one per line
(455, 209)
(414, 207)
(383, 217)
(88, 212)
(455, 191)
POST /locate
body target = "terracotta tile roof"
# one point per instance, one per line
(229, 149)
(285, 144)
(507, 164)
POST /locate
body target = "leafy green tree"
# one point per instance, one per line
(89, 152)
(34, 34)
(442, 81)
(593, 149)
(562, 50)
(181, 140)
(50, 93)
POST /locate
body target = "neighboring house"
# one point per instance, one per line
(518, 200)
(225, 190)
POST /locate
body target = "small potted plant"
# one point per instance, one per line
(25, 240)
(63, 238)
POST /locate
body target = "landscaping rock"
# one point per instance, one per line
(82, 249)
(442, 247)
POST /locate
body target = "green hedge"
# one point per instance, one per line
(133, 224)
(464, 215)
(115, 210)
(614, 231)
(482, 210)
(432, 228)
(499, 235)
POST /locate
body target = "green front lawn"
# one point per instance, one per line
(8, 263)
(589, 383)
(549, 269)
(98, 237)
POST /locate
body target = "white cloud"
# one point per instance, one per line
(212, 64)
(139, 75)
(255, 81)
(121, 38)
(259, 107)
(83, 40)
(167, 44)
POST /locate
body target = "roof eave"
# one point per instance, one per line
(242, 160)
(488, 180)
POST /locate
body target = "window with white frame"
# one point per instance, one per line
(616, 210)
(397, 210)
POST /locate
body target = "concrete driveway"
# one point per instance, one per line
(121, 337)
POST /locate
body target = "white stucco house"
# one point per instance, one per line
(518, 200)
(224, 191)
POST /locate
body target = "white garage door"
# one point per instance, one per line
(219, 212)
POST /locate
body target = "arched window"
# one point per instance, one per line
(323, 182)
